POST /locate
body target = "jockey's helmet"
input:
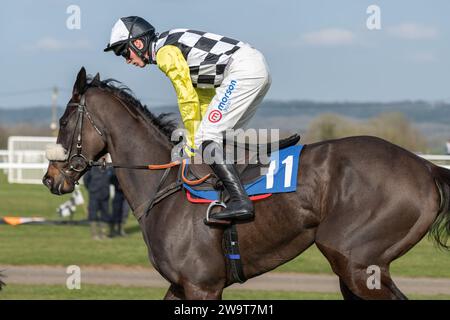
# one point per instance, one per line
(125, 31)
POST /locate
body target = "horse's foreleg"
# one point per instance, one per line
(175, 292)
(198, 292)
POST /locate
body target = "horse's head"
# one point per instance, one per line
(79, 141)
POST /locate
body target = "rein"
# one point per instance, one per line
(160, 194)
(105, 164)
(79, 163)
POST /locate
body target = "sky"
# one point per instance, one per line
(316, 49)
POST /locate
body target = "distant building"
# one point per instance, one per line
(448, 146)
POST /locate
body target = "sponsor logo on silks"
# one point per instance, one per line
(215, 116)
(226, 99)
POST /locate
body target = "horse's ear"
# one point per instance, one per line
(80, 84)
(97, 77)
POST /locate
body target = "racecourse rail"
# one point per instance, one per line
(6, 165)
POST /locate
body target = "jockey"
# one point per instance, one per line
(219, 83)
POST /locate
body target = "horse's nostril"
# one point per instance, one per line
(48, 181)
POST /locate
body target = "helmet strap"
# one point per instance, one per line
(140, 53)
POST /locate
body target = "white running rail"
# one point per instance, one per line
(25, 162)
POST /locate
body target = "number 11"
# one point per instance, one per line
(288, 162)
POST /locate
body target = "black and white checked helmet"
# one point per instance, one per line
(127, 29)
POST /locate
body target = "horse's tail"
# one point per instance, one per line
(440, 229)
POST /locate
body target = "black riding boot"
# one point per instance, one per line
(239, 207)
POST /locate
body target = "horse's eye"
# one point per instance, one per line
(63, 123)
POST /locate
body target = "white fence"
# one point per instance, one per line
(3, 160)
(441, 160)
(25, 162)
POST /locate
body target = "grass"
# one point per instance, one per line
(91, 292)
(66, 245)
(58, 244)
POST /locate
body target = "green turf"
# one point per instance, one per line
(28, 200)
(66, 245)
(95, 292)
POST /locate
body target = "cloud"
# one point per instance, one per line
(52, 44)
(329, 37)
(412, 31)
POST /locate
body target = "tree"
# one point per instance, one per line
(23, 129)
(3, 138)
(393, 127)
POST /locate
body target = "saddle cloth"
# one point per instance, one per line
(260, 180)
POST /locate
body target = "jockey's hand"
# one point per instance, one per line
(177, 153)
(189, 151)
(181, 151)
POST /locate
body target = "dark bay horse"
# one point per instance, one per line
(362, 200)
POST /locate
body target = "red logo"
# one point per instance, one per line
(215, 116)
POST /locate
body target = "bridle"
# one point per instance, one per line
(79, 163)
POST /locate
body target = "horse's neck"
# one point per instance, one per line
(144, 145)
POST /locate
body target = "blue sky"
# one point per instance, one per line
(316, 49)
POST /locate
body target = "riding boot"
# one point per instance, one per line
(239, 207)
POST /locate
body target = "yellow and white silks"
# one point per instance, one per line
(208, 113)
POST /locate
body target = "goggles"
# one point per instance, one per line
(122, 50)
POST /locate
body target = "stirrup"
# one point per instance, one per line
(209, 221)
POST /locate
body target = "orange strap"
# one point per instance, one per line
(163, 166)
(176, 163)
(192, 182)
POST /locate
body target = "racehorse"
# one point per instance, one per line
(362, 200)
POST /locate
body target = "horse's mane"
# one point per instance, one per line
(163, 122)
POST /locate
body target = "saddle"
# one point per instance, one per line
(204, 178)
(249, 169)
